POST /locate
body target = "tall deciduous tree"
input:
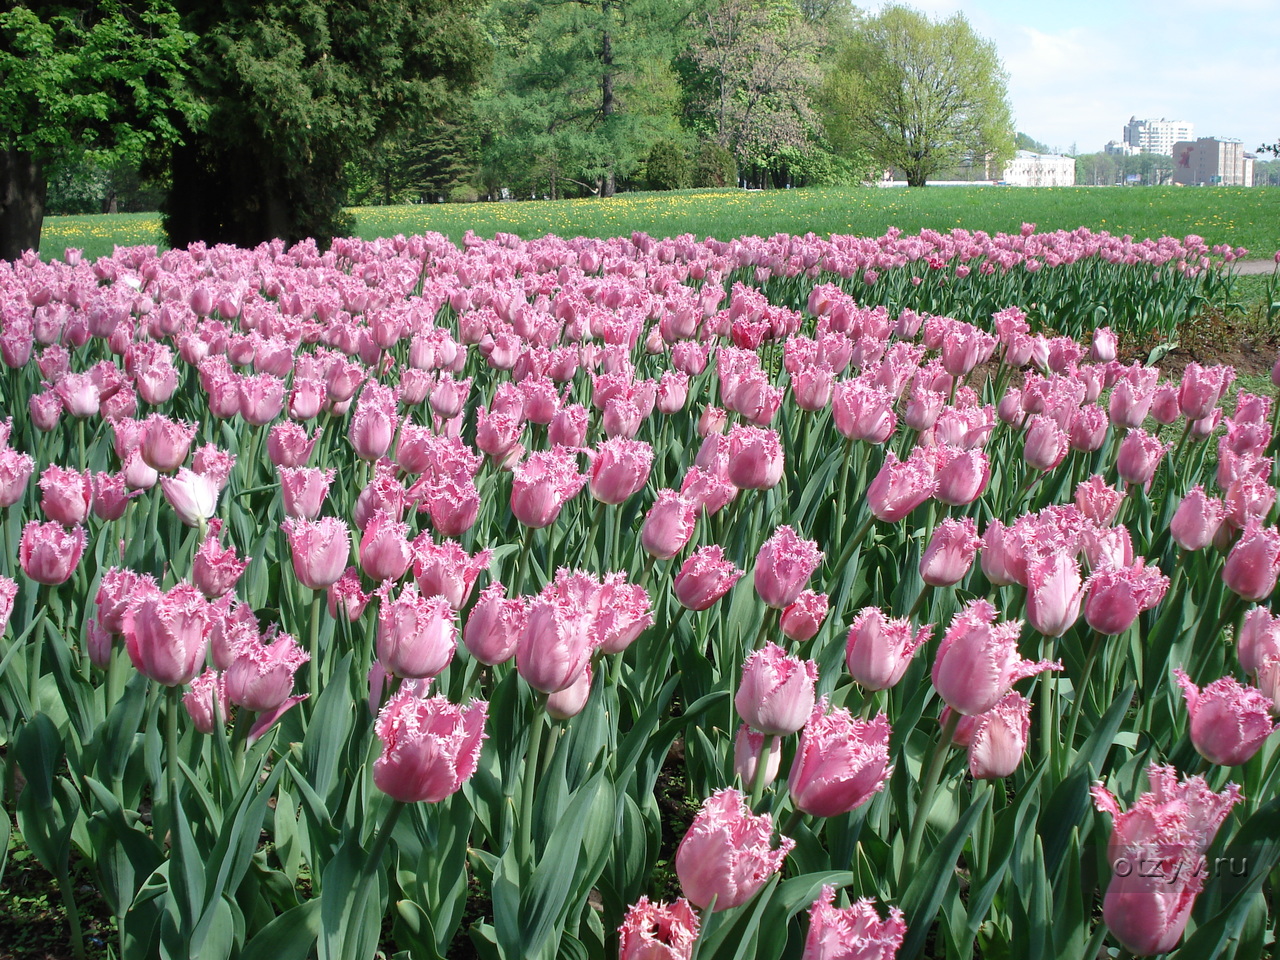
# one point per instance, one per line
(760, 59)
(923, 96)
(99, 81)
(294, 90)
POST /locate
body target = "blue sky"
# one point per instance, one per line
(1078, 71)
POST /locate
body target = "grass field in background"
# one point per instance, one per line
(1239, 216)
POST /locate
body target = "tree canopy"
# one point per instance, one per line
(295, 89)
(923, 96)
(98, 81)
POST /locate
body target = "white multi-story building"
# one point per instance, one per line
(1157, 136)
(1029, 169)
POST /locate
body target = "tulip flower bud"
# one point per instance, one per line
(430, 747)
(658, 931)
(879, 650)
(1259, 638)
(776, 694)
(1229, 721)
(998, 738)
(784, 565)
(167, 635)
(840, 763)
(727, 854)
(417, 635)
(950, 552)
(49, 553)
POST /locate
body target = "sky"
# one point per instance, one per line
(1079, 70)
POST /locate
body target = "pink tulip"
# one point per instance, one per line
(261, 398)
(8, 591)
(625, 613)
(319, 549)
(1229, 721)
(998, 738)
(15, 471)
(668, 525)
(417, 635)
(45, 409)
(727, 854)
(167, 635)
(840, 763)
(66, 495)
(1259, 638)
(303, 490)
(1133, 395)
(110, 496)
(165, 443)
(1253, 564)
(542, 485)
(346, 594)
(206, 702)
(862, 412)
(385, 553)
(1097, 500)
(261, 676)
(855, 932)
(1045, 444)
(747, 747)
(1055, 591)
(138, 474)
(879, 650)
(1139, 456)
(568, 428)
(1202, 388)
(658, 931)
(755, 458)
(1103, 346)
(704, 578)
(1088, 429)
(79, 394)
(900, 486)
(1157, 852)
(1248, 498)
(1116, 595)
(922, 409)
(962, 475)
(1196, 521)
(48, 552)
(214, 570)
(802, 619)
(784, 565)
(117, 589)
(710, 492)
(288, 445)
(569, 702)
(554, 645)
(193, 496)
(978, 660)
(812, 385)
(494, 626)
(619, 468)
(776, 694)
(430, 747)
(950, 552)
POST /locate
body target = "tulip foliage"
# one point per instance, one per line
(641, 598)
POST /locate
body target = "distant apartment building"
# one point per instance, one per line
(1211, 161)
(1118, 148)
(1156, 136)
(1029, 169)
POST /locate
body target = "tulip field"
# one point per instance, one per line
(861, 597)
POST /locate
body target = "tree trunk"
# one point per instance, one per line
(607, 105)
(23, 186)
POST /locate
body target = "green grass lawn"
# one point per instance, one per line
(1241, 217)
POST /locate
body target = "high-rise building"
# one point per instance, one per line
(1157, 136)
(1211, 161)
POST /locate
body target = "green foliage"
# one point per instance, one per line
(1024, 142)
(107, 81)
(294, 92)
(88, 187)
(668, 167)
(714, 167)
(922, 96)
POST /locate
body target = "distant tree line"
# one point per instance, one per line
(243, 120)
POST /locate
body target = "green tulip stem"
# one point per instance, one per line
(842, 490)
(793, 821)
(703, 922)
(767, 624)
(84, 460)
(373, 863)
(531, 755)
(173, 705)
(762, 770)
(929, 786)
(313, 647)
(1078, 706)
